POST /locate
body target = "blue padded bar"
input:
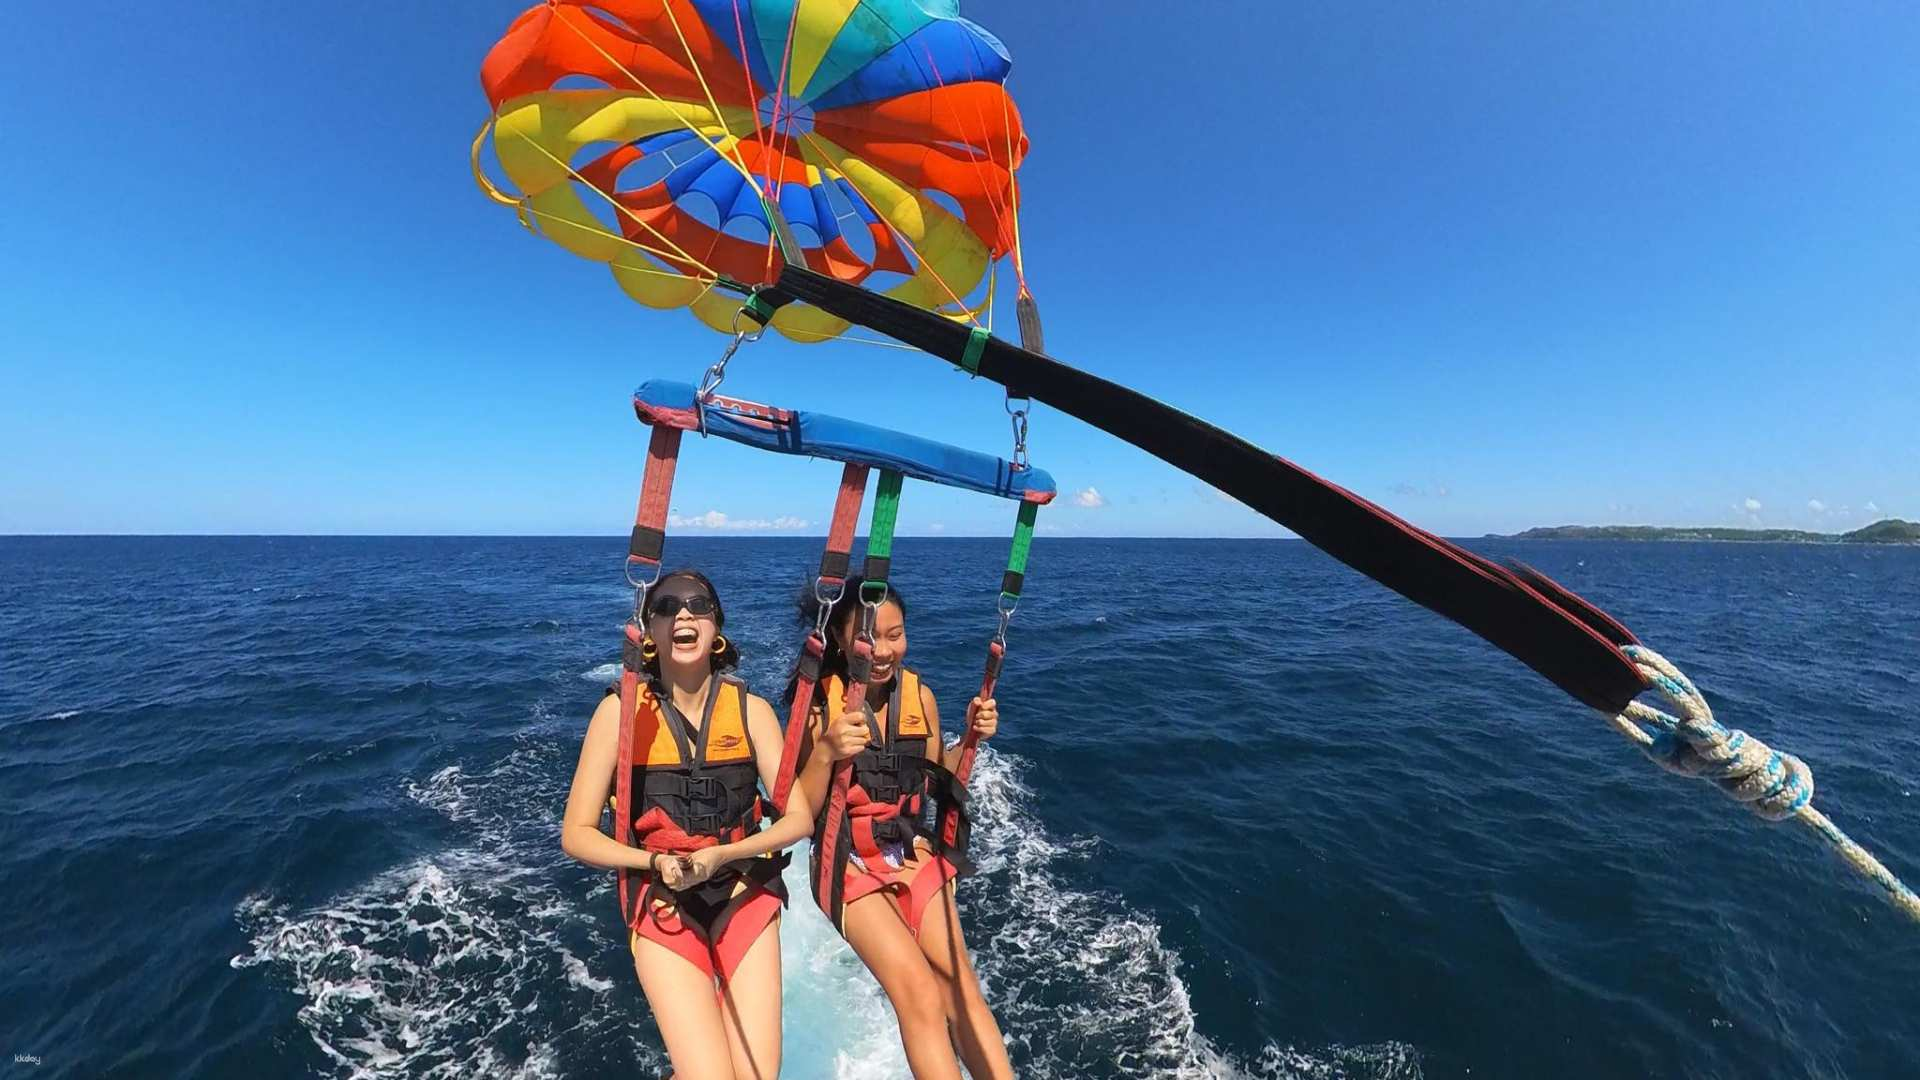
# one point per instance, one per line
(818, 435)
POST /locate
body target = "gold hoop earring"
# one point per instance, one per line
(719, 644)
(648, 650)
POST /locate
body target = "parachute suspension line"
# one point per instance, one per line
(1000, 209)
(712, 144)
(746, 72)
(1007, 120)
(522, 210)
(904, 242)
(679, 253)
(1006, 213)
(694, 65)
(780, 91)
(779, 96)
(759, 130)
(829, 882)
(1774, 785)
(828, 587)
(1019, 258)
(1026, 310)
(487, 186)
(707, 277)
(815, 336)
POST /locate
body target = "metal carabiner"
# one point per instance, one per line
(640, 590)
(1019, 420)
(717, 372)
(825, 604)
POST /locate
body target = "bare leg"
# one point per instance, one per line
(878, 934)
(981, 1045)
(687, 1011)
(750, 1007)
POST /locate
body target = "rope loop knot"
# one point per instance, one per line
(1772, 784)
(1775, 785)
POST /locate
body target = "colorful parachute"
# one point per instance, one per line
(651, 135)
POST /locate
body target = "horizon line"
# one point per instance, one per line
(574, 536)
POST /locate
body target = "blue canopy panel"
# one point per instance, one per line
(813, 434)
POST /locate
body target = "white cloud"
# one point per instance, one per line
(938, 526)
(1090, 498)
(712, 519)
(715, 519)
(1751, 506)
(1816, 506)
(1871, 507)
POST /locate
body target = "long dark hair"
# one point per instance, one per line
(839, 617)
(724, 661)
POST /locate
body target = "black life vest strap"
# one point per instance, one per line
(693, 745)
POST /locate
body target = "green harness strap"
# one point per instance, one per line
(1016, 574)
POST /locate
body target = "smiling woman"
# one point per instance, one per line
(703, 925)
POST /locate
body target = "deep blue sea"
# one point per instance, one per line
(289, 806)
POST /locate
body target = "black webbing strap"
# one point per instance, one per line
(1561, 641)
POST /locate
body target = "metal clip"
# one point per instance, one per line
(1019, 419)
(717, 373)
(825, 604)
(1006, 605)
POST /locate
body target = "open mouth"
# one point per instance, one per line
(686, 636)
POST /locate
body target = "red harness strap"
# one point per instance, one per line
(811, 652)
(644, 549)
(970, 742)
(830, 884)
(656, 832)
(866, 813)
(833, 574)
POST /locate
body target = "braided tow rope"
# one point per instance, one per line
(1774, 785)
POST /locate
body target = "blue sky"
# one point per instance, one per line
(1490, 265)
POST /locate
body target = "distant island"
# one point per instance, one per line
(1890, 531)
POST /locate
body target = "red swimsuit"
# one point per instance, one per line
(695, 789)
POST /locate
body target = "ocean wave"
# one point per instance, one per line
(489, 958)
(449, 966)
(1082, 982)
(604, 673)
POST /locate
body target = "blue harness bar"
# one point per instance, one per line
(793, 431)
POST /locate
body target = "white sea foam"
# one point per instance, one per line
(489, 959)
(605, 673)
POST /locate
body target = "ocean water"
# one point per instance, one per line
(288, 806)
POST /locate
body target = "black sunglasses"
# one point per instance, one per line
(666, 607)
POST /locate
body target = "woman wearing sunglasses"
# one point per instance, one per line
(899, 913)
(705, 930)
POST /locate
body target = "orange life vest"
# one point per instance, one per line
(692, 788)
(891, 776)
